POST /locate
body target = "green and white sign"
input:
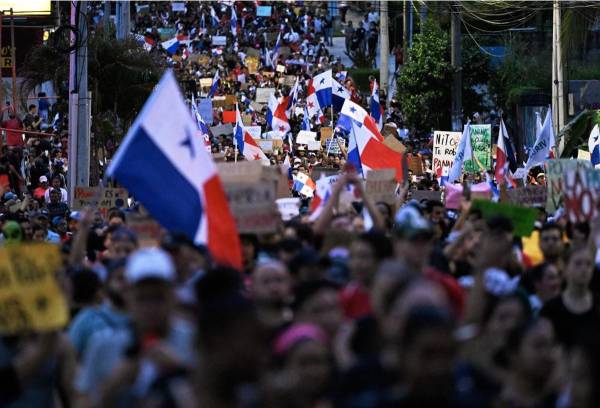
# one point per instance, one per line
(481, 143)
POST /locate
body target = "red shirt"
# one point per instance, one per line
(39, 192)
(13, 138)
(355, 301)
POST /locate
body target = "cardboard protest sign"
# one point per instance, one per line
(206, 82)
(581, 188)
(109, 198)
(225, 130)
(394, 144)
(219, 40)
(326, 133)
(203, 60)
(528, 196)
(415, 164)
(262, 94)
(313, 145)
(521, 217)
(251, 193)
(266, 145)
(444, 150)
(454, 192)
(555, 170)
(205, 109)
(481, 143)
(426, 195)
(305, 136)
(381, 185)
(219, 101)
(147, 229)
(254, 131)
(230, 100)
(280, 68)
(30, 298)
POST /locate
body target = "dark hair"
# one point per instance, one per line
(120, 233)
(116, 213)
(380, 243)
(423, 318)
(514, 340)
(37, 227)
(306, 290)
(588, 345)
(31, 107)
(495, 301)
(583, 227)
(431, 204)
(551, 226)
(86, 285)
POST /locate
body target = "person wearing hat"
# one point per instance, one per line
(155, 340)
(59, 225)
(40, 191)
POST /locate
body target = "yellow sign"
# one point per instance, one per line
(30, 298)
(27, 8)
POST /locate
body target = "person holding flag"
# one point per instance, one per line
(374, 106)
(246, 145)
(505, 157)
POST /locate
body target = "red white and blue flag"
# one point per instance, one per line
(215, 84)
(168, 170)
(505, 157)
(304, 185)
(375, 106)
(246, 145)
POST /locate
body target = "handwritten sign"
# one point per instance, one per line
(555, 170)
(288, 207)
(381, 185)
(444, 150)
(30, 298)
(332, 147)
(219, 40)
(581, 188)
(252, 64)
(481, 143)
(528, 196)
(313, 145)
(263, 94)
(88, 196)
(305, 136)
(523, 219)
(252, 206)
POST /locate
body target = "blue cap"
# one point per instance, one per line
(75, 215)
(57, 220)
(10, 196)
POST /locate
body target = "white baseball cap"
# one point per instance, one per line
(43, 179)
(149, 263)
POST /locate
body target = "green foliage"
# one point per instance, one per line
(577, 132)
(425, 81)
(584, 71)
(361, 77)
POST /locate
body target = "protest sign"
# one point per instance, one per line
(147, 229)
(30, 298)
(415, 164)
(219, 40)
(454, 192)
(262, 94)
(280, 68)
(521, 217)
(394, 144)
(251, 192)
(252, 64)
(581, 188)
(381, 185)
(254, 131)
(253, 52)
(326, 133)
(313, 145)
(263, 11)
(444, 150)
(247, 120)
(528, 196)
(203, 60)
(481, 143)
(332, 147)
(218, 101)
(289, 80)
(178, 6)
(205, 82)
(225, 130)
(166, 33)
(426, 195)
(555, 170)
(266, 145)
(205, 109)
(288, 207)
(305, 136)
(583, 155)
(102, 199)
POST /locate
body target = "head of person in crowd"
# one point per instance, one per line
(501, 315)
(579, 269)
(39, 232)
(116, 217)
(271, 291)
(55, 195)
(366, 252)
(317, 302)
(427, 356)
(413, 237)
(150, 294)
(26, 229)
(119, 242)
(190, 259)
(86, 286)
(546, 281)
(434, 211)
(551, 242)
(59, 224)
(578, 233)
(116, 283)
(11, 231)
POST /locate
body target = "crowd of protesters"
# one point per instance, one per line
(429, 307)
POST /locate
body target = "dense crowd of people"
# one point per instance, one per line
(421, 306)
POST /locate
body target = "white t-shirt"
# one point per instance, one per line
(63, 195)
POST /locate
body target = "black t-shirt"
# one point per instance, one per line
(568, 325)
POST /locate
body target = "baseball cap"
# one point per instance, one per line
(43, 179)
(57, 220)
(75, 215)
(149, 263)
(10, 196)
(409, 223)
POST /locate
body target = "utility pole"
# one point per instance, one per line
(422, 15)
(72, 109)
(456, 61)
(13, 59)
(106, 19)
(123, 19)
(405, 28)
(558, 96)
(384, 35)
(410, 23)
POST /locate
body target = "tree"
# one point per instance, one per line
(425, 81)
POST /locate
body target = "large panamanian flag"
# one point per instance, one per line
(170, 172)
